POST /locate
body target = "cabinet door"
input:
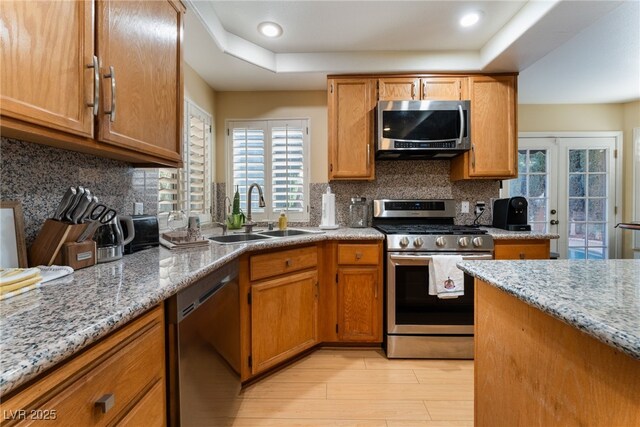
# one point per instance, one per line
(444, 88)
(359, 304)
(351, 108)
(284, 318)
(141, 41)
(494, 146)
(392, 89)
(46, 47)
(521, 249)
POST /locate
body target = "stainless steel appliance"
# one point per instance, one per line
(419, 325)
(203, 335)
(146, 233)
(109, 238)
(423, 129)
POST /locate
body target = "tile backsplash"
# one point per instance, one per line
(410, 179)
(38, 176)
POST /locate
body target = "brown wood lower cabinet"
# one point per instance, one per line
(532, 369)
(284, 318)
(295, 298)
(521, 249)
(125, 371)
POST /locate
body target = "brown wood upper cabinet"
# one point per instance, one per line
(427, 88)
(55, 80)
(352, 136)
(494, 144)
(351, 108)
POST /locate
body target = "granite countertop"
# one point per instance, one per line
(42, 327)
(600, 298)
(500, 234)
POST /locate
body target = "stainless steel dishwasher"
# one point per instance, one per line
(203, 336)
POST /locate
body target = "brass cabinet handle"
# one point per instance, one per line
(413, 90)
(96, 85)
(287, 263)
(112, 76)
(106, 402)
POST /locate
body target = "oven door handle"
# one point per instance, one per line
(415, 257)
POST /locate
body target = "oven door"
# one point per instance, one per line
(410, 308)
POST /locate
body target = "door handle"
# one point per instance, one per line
(112, 76)
(553, 222)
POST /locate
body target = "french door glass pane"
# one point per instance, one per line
(588, 204)
(532, 183)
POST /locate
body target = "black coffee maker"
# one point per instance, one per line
(511, 214)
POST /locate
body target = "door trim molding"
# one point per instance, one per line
(617, 135)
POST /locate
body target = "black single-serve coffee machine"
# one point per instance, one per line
(511, 214)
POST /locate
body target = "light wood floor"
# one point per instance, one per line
(356, 387)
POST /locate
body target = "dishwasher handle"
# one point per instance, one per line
(187, 300)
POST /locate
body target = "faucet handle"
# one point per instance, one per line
(223, 226)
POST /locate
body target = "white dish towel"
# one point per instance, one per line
(445, 279)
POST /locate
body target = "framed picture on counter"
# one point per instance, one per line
(13, 250)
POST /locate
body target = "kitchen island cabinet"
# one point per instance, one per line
(555, 344)
(55, 80)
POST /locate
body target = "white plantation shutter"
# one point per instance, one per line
(189, 189)
(273, 153)
(248, 152)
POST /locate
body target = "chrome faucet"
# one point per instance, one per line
(248, 225)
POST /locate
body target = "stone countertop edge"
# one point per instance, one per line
(556, 287)
(31, 343)
(500, 234)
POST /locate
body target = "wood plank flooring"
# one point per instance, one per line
(356, 387)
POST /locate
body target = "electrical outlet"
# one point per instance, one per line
(480, 207)
(138, 208)
(464, 207)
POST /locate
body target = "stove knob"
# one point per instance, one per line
(418, 242)
(463, 242)
(441, 241)
(477, 241)
(404, 242)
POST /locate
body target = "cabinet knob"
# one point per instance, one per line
(287, 263)
(358, 255)
(106, 402)
(522, 256)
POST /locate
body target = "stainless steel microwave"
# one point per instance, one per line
(422, 129)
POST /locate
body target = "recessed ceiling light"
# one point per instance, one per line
(470, 19)
(270, 29)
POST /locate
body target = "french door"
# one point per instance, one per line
(570, 184)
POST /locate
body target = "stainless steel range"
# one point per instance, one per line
(419, 325)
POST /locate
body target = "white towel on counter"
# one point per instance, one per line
(445, 279)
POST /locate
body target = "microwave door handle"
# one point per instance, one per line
(461, 124)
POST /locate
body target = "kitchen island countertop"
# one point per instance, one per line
(43, 327)
(500, 234)
(598, 297)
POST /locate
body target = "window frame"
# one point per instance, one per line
(267, 125)
(183, 181)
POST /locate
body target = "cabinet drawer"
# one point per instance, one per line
(149, 411)
(276, 263)
(358, 254)
(521, 249)
(121, 370)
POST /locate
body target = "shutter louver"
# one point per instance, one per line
(248, 163)
(287, 165)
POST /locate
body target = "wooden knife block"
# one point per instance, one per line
(47, 248)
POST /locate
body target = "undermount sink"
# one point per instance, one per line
(237, 238)
(284, 233)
